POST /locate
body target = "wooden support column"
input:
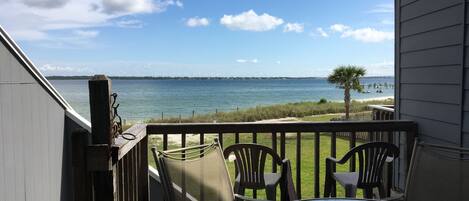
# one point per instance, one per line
(81, 176)
(99, 152)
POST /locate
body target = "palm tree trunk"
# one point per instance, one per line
(347, 102)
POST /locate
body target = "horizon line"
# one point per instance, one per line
(80, 77)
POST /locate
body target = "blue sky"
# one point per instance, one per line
(202, 37)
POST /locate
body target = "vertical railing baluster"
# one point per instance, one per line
(282, 145)
(127, 175)
(334, 155)
(370, 136)
(202, 190)
(220, 139)
(389, 168)
(353, 138)
(183, 140)
(254, 140)
(316, 164)
(121, 171)
(165, 141)
(274, 147)
(236, 142)
(201, 141)
(183, 145)
(201, 138)
(298, 164)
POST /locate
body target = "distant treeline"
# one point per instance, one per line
(187, 78)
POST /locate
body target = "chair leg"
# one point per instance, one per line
(271, 192)
(382, 191)
(238, 189)
(368, 193)
(350, 191)
(327, 187)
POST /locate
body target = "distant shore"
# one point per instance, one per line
(86, 77)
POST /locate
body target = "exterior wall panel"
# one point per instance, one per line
(432, 21)
(424, 7)
(440, 93)
(434, 39)
(35, 140)
(432, 57)
(433, 75)
(431, 37)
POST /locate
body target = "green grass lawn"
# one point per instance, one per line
(307, 156)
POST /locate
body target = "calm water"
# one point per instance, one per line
(144, 99)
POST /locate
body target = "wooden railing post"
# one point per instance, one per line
(81, 176)
(99, 152)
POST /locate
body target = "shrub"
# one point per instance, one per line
(322, 101)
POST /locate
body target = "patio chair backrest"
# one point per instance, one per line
(371, 159)
(250, 163)
(438, 173)
(194, 173)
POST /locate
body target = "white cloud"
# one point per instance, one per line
(197, 22)
(49, 69)
(321, 32)
(86, 34)
(277, 62)
(385, 68)
(45, 3)
(254, 61)
(137, 6)
(126, 6)
(250, 21)
(368, 35)
(383, 8)
(130, 24)
(35, 19)
(339, 27)
(293, 27)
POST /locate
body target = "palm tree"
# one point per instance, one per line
(347, 78)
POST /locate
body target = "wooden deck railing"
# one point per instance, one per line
(391, 131)
(108, 164)
(382, 112)
(131, 165)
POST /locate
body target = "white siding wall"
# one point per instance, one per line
(31, 136)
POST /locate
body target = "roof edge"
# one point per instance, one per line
(13, 47)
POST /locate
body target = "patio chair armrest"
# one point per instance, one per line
(288, 188)
(333, 160)
(244, 198)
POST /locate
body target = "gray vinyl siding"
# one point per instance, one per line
(34, 146)
(429, 65)
(430, 74)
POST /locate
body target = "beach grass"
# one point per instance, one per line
(299, 110)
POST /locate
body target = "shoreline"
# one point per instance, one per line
(383, 98)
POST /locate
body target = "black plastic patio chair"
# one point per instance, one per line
(437, 172)
(371, 159)
(250, 163)
(197, 173)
